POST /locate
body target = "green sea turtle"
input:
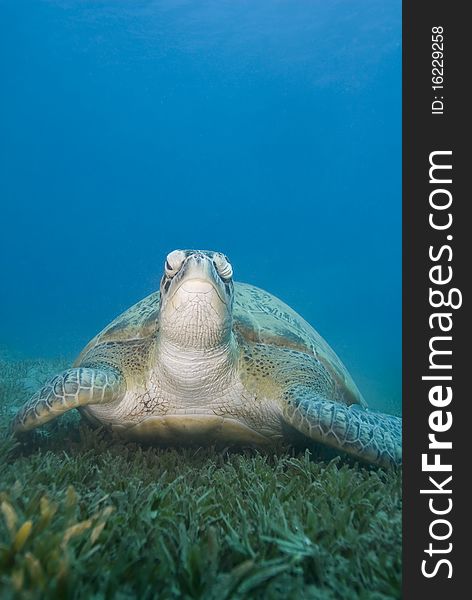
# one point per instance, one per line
(208, 360)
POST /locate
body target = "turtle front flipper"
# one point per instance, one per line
(371, 436)
(71, 389)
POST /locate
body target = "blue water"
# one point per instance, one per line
(269, 130)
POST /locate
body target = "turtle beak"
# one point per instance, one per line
(198, 267)
(198, 276)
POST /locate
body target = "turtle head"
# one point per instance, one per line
(196, 299)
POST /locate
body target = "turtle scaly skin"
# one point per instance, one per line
(208, 360)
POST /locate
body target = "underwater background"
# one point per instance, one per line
(269, 130)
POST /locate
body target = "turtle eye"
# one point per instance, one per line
(224, 268)
(174, 261)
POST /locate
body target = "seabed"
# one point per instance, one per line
(86, 515)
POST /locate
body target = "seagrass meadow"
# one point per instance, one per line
(85, 515)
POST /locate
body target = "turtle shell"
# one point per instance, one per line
(258, 317)
(137, 322)
(262, 318)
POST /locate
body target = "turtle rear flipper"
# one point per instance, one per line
(71, 389)
(372, 436)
